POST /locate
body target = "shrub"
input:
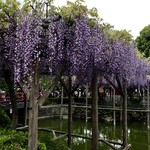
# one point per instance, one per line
(15, 140)
(41, 146)
(11, 139)
(45, 137)
(5, 121)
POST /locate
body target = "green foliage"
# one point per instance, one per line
(123, 35)
(5, 121)
(50, 144)
(8, 10)
(3, 85)
(57, 145)
(42, 146)
(73, 9)
(93, 17)
(143, 41)
(76, 9)
(107, 28)
(15, 140)
(45, 81)
(11, 140)
(43, 8)
(139, 54)
(93, 12)
(113, 34)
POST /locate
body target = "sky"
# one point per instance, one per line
(132, 15)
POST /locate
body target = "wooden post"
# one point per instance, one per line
(70, 114)
(148, 138)
(94, 145)
(114, 105)
(143, 97)
(121, 99)
(86, 111)
(61, 108)
(86, 147)
(148, 103)
(114, 132)
(110, 97)
(120, 115)
(124, 116)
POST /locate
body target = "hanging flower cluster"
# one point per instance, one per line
(77, 45)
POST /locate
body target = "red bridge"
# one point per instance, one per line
(5, 100)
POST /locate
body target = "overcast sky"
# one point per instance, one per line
(131, 15)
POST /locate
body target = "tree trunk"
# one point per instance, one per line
(33, 119)
(86, 103)
(70, 114)
(9, 79)
(25, 111)
(114, 105)
(124, 116)
(94, 144)
(148, 103)
(33, 112)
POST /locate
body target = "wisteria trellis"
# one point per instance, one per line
(82, 48)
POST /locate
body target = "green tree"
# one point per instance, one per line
(44, 8)
(123, 35)
(8, 12)
(143, 41)
(113, 34)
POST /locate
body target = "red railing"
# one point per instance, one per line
(6, 98)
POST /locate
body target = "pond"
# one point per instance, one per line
(138, 135)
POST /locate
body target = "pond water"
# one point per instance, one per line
(138, 135)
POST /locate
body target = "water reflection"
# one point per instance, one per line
(138, 135)
(149, 139)
(78, 141)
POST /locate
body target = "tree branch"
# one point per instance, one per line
(25, 89)
(120, 85)
(55, 80)
(111, 83)
(127, 147)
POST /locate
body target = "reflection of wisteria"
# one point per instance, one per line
(78, 140)
(102, 136)
(106, 133)
(87, 132)
(129, 132)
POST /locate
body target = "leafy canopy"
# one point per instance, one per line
(8, 11)
(143, 41)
